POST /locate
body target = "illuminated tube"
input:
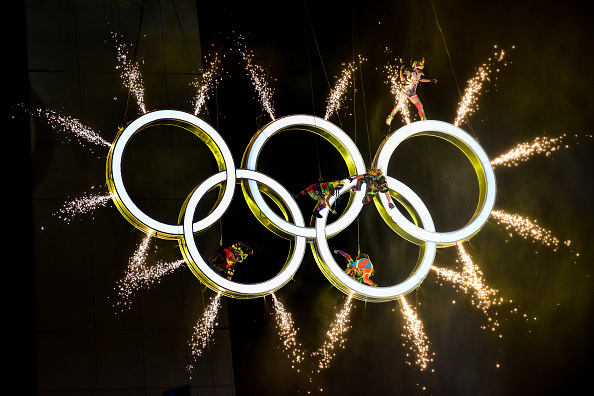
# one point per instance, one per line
(199, 128)
(327, 130)
(336, 275)
(482, 166)
(211, 278)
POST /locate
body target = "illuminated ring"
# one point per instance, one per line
(336, 275)
(333, 134)
(199, 128)
(211, 278)
(482, 166)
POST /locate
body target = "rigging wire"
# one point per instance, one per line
(451, 65)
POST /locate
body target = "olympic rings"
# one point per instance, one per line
(292, 226)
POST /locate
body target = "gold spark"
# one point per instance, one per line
(397, 89)
(130, 74)
(204, 329)
(82, 205)
(523, 151)
(336, 97)
(470, 280)
(72, 125)
(209, 77)
(527, 228)
(139, 275)
(335, 335)
(415, 333)
(259, 78)
(287, 333)
(468, 104)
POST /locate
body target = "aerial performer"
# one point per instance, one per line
(322, 192)
(225, 259)
(412, 78)
(376, 183)
(359, 269)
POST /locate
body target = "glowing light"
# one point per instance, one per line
(396, 88)
(468, 104)
(336, 96)
(527, 228)
(470, 280)
(82, 205)
(137, 274)
(209, 77)
(74, 126)
(524, 151)
(130, 73)
(287, 333)
(204, 329)
(415, 333)
(335, 335)
(259, 78)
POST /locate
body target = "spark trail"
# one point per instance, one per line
(470, 280)
(82, 205)
(138, 275)
(524, 151)
(287, 333)
(209, 78)
(396, 88)
(259, 78)
(130, 73)
(416, 335)
(72, 125)
(335, 335)
(336, 97)
(527, 228)
(468, 104)
(204, 330)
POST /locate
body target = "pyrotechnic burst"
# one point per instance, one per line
(335, 335)
(524, 151)
(336, 97)
(468, 104)
(287, 333)
(396, 88)
(259, 78)
(415, 333)
(130, 73)
(204, 329)
(527, 228)
(72, 125)
(470, 280)
(209, 78)
(82, 205)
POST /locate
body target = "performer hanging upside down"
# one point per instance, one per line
(322, 192)
(376, 183)
(412, 78)
(225, 259)
(359, 269)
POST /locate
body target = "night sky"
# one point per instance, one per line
(542, 344)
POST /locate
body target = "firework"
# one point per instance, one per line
(527, 228)
(396, 88)
(335, 335)
(287, 333)
(204, 329)
(524, 151)
(130, 73)
(336, 96)
(416, 335)
(82, 205)
(209, 77)
(72, 125)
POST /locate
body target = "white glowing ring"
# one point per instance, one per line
(183, 120)
(477, 156)
(212, 279)
(336, 275)
(333, 134)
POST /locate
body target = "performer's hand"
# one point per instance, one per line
(389, 120)
(435, 81)
(392, 205)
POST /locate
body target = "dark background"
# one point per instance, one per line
(82, 346)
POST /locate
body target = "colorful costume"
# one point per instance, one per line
(412, 79)
(359, 269)
(224, 259)
(376, 183)
(321, 192)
